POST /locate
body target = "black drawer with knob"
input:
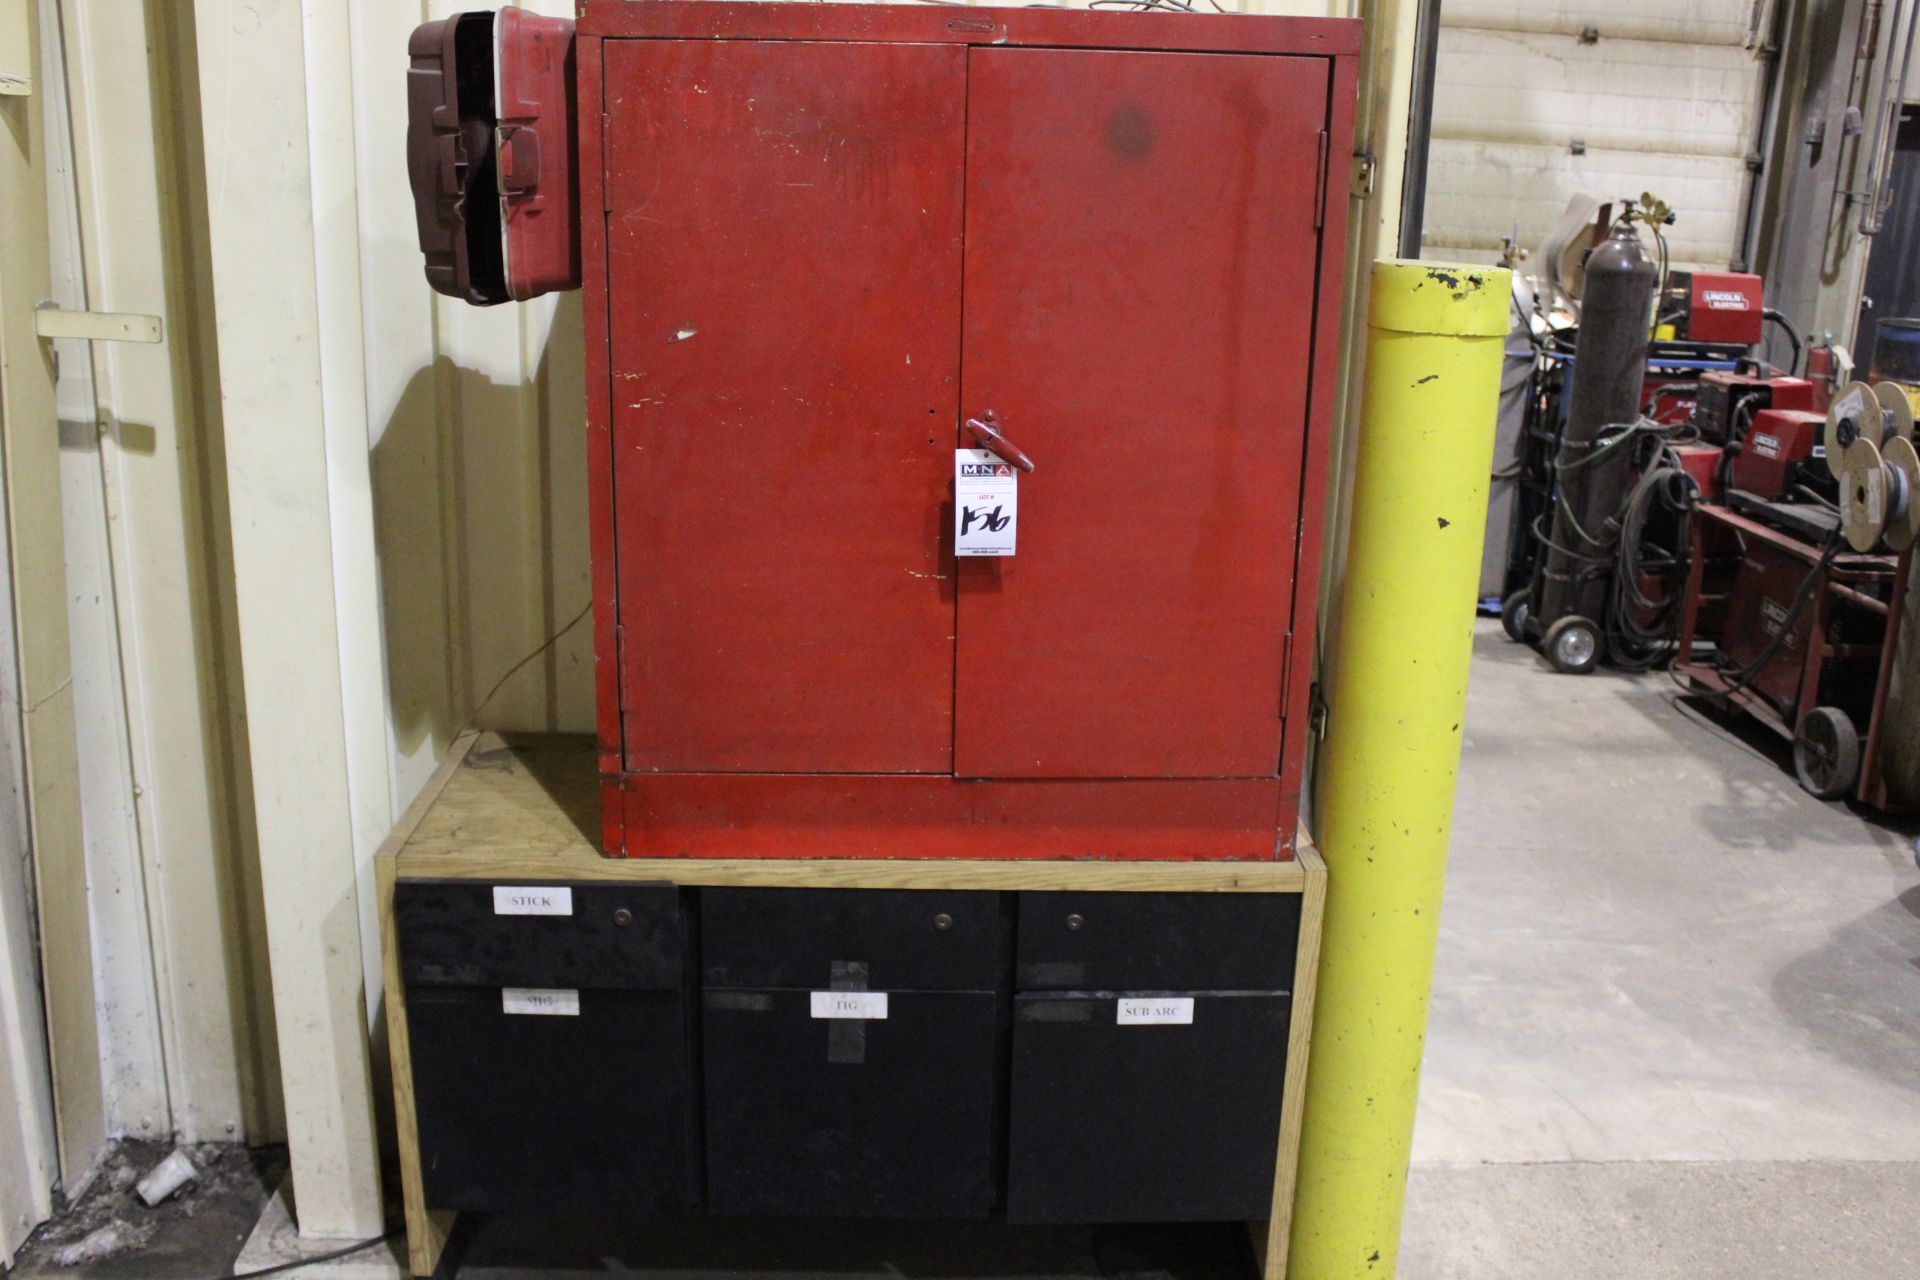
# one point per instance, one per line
(1149, 1046)
(554, 1044)
(853, 1048)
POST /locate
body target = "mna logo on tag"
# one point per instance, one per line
(970, 470)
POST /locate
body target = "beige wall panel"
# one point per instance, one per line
(132, 1062)
(1378, 167)
(264, 236)
(29, 441)
(476, 427)
(134, 117)
(29, 1157)
(408, 434)
(331, 136)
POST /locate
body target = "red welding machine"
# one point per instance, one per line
(1725, 307)
(1728, 402)
(1780, 448)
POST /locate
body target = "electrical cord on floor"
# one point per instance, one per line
(297, 1263)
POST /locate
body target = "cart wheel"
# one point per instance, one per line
(1572, 645)
(1826, 753)
(1515, 612)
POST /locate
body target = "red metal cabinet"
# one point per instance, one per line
(816, 238)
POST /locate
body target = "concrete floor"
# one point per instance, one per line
(1676, 1018)
(108, 1234)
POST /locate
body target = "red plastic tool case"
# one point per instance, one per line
(814, 240)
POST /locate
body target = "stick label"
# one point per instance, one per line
(532, 900)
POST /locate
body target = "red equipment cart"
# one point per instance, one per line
(1814, 670)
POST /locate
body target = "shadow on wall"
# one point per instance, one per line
(480, 521)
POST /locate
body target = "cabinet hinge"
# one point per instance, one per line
(1360, 180)
(606, 192)
(1320, 185)
(1286, 671)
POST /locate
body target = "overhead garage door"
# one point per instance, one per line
(1536, 101)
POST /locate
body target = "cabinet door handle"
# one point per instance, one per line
(986, 430)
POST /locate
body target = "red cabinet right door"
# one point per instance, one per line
(1141, 239)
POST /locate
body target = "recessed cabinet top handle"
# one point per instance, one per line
(986, 430)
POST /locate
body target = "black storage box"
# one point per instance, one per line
(853, 1050)
(553, 1045)
(1149, 1045)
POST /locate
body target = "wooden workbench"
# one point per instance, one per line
(526, 807)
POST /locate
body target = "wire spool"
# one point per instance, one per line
(1903, 522)
(1879, 493)
(1896, 410)
(1863, 493)
(1854, 414)
(1896, 361)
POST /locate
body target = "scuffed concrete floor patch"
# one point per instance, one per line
(108, 1234)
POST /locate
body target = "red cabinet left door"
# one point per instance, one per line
(783, 257)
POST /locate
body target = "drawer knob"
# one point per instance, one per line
(943, 922)
(622, 917)
(1075, 920)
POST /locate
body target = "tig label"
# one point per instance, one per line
(869, 1005)
(550, 1002)
(985, 504)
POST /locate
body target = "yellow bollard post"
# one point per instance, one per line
(1386, 773)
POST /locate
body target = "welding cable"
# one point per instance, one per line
(1793, 336)
(1637, 646)
(1622, 435)
(1619, 546)
(1545, 539)
(1736, 442)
